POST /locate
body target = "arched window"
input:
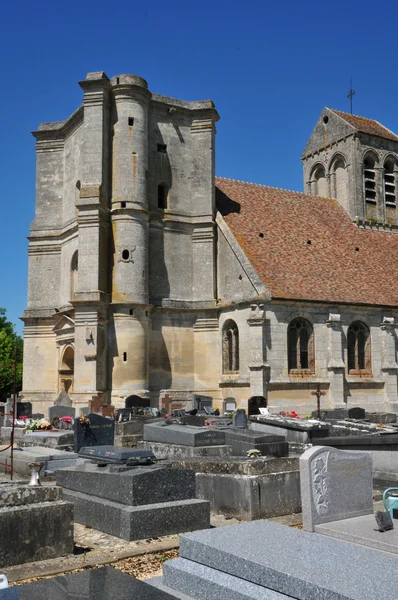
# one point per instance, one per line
(389, 182)
(230, 341)
(340, 180)
(74, 271)
(300, 346)
(162, 195)
(320, 182)
(369, 180)
(358, 349)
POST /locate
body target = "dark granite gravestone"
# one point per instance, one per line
(356, 413)
(243, 440)
(24, 409)
(203, 403)
(133, 504)
(100, 431)
(240, 418)
(183, 435)
(134, 400)
(63, 399)
(57, 411)
(113, 454)
(105, 583)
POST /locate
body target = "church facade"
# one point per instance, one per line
(150, 276)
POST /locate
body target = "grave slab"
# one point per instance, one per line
(113, 454)
(335, 485)
(302, 565)
(49, 439)
(139, 522)
(171, 451)
(243, 440)
(140, 485)
(184, 435)
(363, 531)
(105, 583)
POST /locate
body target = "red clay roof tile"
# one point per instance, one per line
(311, 250)
(367, 125)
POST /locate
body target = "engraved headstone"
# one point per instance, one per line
(63, 399)
(229, 404)
(94, 430)
(240, 418)
(24, 409)
(335, 485)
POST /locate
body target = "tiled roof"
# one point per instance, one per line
(367, 125)
(342, 263)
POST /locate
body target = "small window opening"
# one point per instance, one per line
(117, 80)
(309, 242)
(357, 249)
(124, 356)
(125, 254)
(162, 148)
(131, 121)
(162, 196)
(146, 313)
(326, 119)
(369, 173)
(123, 204)
(131, 311)
(261, 235)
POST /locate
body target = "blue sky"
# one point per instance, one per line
(270, 68)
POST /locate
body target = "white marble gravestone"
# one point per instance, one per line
(335, 485)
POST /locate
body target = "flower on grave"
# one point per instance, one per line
(38, 424)
(84, 420)
(22, 418)
(66, 419)
(253, 453)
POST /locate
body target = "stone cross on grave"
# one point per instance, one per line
(318, 395)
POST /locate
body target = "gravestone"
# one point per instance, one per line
(24, 409)
(183, 435)
(243, 440)
(335, 485)
(203, 403)
(57, 411)
(99, 431)
(134, 400)
(356, 413)
(63, 399)
(240, 418)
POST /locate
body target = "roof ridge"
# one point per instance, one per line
(272, 187)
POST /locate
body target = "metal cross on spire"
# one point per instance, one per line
(350, 95)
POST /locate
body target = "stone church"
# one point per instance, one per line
(150, 276)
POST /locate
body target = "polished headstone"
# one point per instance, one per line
(105, 583)
(356, 413)
(99, 431)
(184, 435)
(335, 485)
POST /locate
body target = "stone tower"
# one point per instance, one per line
(122, 248)
(354, 160)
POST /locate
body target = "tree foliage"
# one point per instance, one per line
(8, 341)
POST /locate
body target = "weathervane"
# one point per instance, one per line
(351, 93)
